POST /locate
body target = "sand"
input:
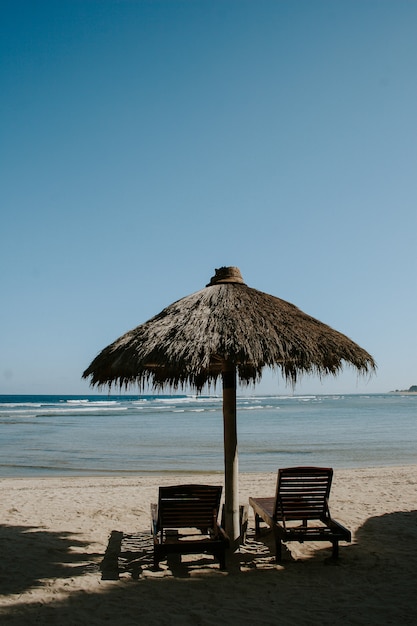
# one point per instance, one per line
(54, 534)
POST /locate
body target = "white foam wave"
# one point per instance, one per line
(15, 405)
(81, 411)
(99, 403)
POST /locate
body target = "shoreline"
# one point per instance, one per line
(127, 474)
(55, 532)
(184, 473)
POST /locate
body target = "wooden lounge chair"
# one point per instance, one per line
(300, 510)
(185, 522)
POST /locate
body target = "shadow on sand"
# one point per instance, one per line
(373, 582)
(37, 555)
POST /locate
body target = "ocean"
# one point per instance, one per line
(134, 434)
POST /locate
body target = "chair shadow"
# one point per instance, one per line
(30, 555)
(133, 555)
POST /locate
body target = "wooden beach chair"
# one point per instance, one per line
(185, 522)
(300, 510)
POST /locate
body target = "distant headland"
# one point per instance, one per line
(412, 389)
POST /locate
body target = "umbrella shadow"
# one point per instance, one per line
(389, 533)
(372, 584)
(30, 555)
(387, 543)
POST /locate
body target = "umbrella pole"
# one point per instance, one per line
(231, 483)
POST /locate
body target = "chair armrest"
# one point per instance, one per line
(338, 527)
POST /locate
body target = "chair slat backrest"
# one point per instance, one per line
(188, 506)
(302, 492)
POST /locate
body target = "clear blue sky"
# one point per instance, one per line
(144, 143)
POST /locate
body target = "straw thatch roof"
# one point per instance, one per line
(189, 342)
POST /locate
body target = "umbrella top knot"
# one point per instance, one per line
(226, 275)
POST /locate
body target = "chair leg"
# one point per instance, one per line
(335, 551)
(278, 549)
(257, 525)
(222, 558)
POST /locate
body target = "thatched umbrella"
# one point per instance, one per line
(230, 330)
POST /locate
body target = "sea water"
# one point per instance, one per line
(114, 435)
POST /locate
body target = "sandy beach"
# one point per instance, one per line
(58, 567)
